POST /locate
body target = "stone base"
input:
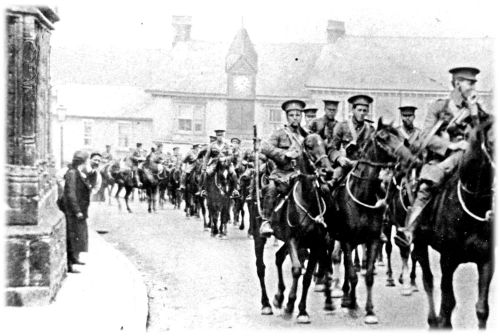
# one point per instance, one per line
(36, 262)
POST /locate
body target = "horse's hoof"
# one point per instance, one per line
(303, 319)
(380, 263)
(276, 303)
(329, 307)
(363, 272)
(319, 288)
(407, 291)
(337, 293)
(400, 279)
(345, 303)
(242, 227)
(371, 319)
(129, 211)
(390, 283)
(414, 288)
(266, 311)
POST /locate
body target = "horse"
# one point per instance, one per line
(195, 202)
(149, 175)
(219, 189)
(123, 175)
(359, 207)
(162, 186)
(107, 181)
(300, 224)
(239, 202)
(173, 184)
(458, 224)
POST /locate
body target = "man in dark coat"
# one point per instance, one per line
(76, 200)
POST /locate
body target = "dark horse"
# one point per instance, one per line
(459, 225)
(218, 197)
(194, 202)
(239, 202)
(300, 224)
(359, 207)
(149, 175)
(118, 172)
(173, 183)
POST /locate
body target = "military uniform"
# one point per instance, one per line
(106, 157)
(324, 127)
(309, 116)
(138, 157)
(188, 161)
(441, 159)
(282, 146)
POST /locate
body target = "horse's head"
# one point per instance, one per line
(393, 148)
(315, 157)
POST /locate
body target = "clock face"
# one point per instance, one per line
(242, 85)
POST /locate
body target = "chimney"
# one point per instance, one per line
(335, 30)
(182, 28)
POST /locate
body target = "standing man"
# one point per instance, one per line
(309, 116)
(106, 155)
(446, 126)
(76, 200)
(283, 146)
(215, 151)
(407, 130)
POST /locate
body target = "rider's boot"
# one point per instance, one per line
(203, 192)
(265, 228)
(404, 236)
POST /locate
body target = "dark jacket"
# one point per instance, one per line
(76, 193)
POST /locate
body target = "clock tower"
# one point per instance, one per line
(241, 70)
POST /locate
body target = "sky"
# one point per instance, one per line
(148, 23)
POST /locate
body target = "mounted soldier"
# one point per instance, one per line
(349, 136)
(218, 150)
(445, 138)
(188, 164)
(407, 130)
(107, 156)
(309, 116)
(283, 147)
(176, 158)
(138, 157)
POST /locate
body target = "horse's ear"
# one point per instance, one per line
(380, 124)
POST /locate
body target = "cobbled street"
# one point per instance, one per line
(196, 281)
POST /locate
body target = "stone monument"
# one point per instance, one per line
(35, 228)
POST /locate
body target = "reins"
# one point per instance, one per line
(322, 209)
(487, 215)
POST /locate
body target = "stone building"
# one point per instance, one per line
(35, 228)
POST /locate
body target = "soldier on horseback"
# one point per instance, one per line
(106, 155)
(138, 158)
(309, 116)
(188, 164)
(283, 147)
(218, 150)
(407, 130)
(445, 140)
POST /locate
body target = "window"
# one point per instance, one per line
(123, 135)
(275, 115)
(191, 118)
(87, 133)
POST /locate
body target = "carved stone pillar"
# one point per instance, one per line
(36, 234)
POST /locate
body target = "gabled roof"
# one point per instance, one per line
(241, 47)
(103, 66)
(98, 101)
(199, 67)
(400, 63)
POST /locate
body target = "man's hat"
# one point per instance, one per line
(293, 104)
(219, 132)
(332, 103)
(212, 138)
(238, 141)
(469, 73)
(175, 148)
(138, 144)
(95, 154)
(310, 111)
(80, 157)
(108, 145)
(407, 110)
(360, 100)
(196, 146)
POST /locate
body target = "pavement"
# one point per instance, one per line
(107, 297)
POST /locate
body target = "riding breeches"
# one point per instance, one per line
(231, 171)
(435, 172)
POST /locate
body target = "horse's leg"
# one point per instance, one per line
(259, 244)
(448, 302)
(388, 253)
(280, 258)
(422, 255)
(404, 277)
(357, 264)
(485, 273)
(117, 196)
(242, 211)
(336, 259)
(296, 273)
(326, 260)
(128, 191)
(303, 316)
(349, 288)
(413, 273)
(371, 254)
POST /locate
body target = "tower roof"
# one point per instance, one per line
(241, 48)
